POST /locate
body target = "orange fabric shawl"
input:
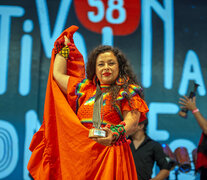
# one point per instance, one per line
(61, 149)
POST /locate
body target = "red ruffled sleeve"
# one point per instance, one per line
(137, 103)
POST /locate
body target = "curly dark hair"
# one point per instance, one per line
(125, 71)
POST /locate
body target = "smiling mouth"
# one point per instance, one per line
(106, 74)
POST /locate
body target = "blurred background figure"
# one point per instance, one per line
(201, 163)
(146, 152)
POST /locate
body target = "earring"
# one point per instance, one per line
(122, 80)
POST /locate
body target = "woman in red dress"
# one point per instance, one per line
(61, 149)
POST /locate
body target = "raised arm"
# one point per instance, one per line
(60, 70)
(190, 104)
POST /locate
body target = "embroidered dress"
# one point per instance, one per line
(85, 92)
(61, 149)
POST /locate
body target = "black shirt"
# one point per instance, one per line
(145, 156)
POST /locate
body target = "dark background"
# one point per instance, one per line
(190, 27)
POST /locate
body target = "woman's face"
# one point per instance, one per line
(107, 67)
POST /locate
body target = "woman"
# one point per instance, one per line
(64, 145)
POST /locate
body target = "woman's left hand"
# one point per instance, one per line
(106, 141)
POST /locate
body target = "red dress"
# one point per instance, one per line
(201, 157)
(61, 149)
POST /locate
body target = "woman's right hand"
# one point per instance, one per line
(108, 140)
(66, 40)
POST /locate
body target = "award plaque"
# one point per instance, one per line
(97, 131)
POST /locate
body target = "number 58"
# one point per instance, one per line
(112, 6)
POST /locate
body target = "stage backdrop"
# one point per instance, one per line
(165, 41)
